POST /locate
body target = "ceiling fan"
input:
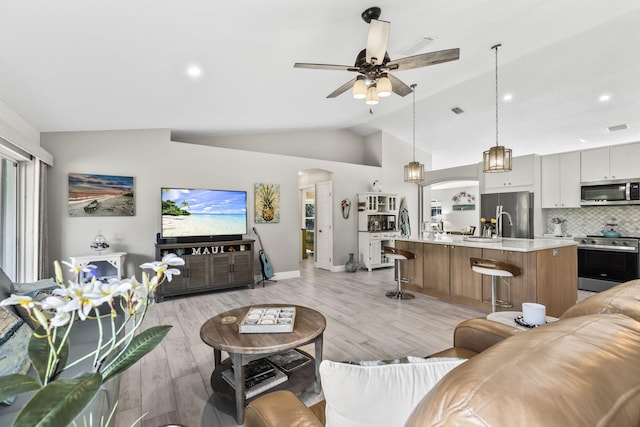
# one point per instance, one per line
(373, 64)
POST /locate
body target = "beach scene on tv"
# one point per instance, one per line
(192, 212)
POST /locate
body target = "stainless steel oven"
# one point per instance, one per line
(604, 262)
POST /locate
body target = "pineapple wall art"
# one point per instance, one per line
(267, 203)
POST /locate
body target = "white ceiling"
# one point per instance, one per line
(78, 65)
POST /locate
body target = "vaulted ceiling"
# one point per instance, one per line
(76, 65)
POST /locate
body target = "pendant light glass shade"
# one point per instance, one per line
(360, 89)
(384, 86)
(414, 171)
(372, 96)
(497, 158)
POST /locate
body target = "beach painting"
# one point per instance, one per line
(100, 195)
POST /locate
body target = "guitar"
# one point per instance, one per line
(265, 264)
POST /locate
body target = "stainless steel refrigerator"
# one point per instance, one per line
(518, 204)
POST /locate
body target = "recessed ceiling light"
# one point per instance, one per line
(582, 140)
(604, 98)
(507, 97)
(194, 71)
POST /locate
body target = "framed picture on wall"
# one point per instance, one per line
(267, 203)
(100, 195)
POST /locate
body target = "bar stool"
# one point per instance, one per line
(495, 269)
(398, 255)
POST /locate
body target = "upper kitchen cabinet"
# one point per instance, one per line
(520, 178)
(560, 180)
(623, 161)
(614, 162)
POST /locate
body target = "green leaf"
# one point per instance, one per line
(14, 384)
(59, 402)
(141, 344)
(39, 353)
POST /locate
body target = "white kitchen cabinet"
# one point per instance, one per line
(614, 162)
(371, 248)
(560, 180)
(377, 228)
(623, 161)
(595, 164)
(519, 179)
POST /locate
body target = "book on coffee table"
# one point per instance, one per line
(259, 383)
(256, 368)
(289, 360)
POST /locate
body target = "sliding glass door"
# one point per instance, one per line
(8, 216)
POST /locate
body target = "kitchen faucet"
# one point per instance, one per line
(499, 213)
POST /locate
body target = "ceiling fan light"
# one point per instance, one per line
(384, 86)
(360, 89)
(496, 159)
(372, 96)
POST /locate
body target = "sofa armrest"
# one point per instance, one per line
(480, 334)
(279, 409)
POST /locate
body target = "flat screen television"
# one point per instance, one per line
(190, 214)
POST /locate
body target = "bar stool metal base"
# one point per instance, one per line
(399, 295)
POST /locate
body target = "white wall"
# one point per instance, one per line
(337, 145)
(155, 161)
(455, 220)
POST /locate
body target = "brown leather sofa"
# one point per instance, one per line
(583, 370)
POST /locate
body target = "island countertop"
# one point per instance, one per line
(507, 244)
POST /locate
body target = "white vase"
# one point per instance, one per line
(557, 230)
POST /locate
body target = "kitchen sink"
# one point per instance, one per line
(478, 239)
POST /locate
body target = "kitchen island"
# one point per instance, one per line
(442, 269)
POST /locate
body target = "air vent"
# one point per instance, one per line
(618, 127)
(457, 110)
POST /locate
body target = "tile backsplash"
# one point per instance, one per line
(593, 219)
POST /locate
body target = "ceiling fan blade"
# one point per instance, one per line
(377, 41)
(325, 66)
(342, 89)
(424, 59)
(398, 86)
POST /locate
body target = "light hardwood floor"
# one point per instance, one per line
(171, 384)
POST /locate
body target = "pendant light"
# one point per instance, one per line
(498, 158)
(414, 171)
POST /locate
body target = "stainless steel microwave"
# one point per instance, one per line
(610, 193)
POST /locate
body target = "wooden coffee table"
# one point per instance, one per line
(308, 328)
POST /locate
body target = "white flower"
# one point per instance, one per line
(83, 297)
(162, 267)
(61, 318)
(140, 291)
(113, 289)
(76, 269)
(21, 300)
(56, 304)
